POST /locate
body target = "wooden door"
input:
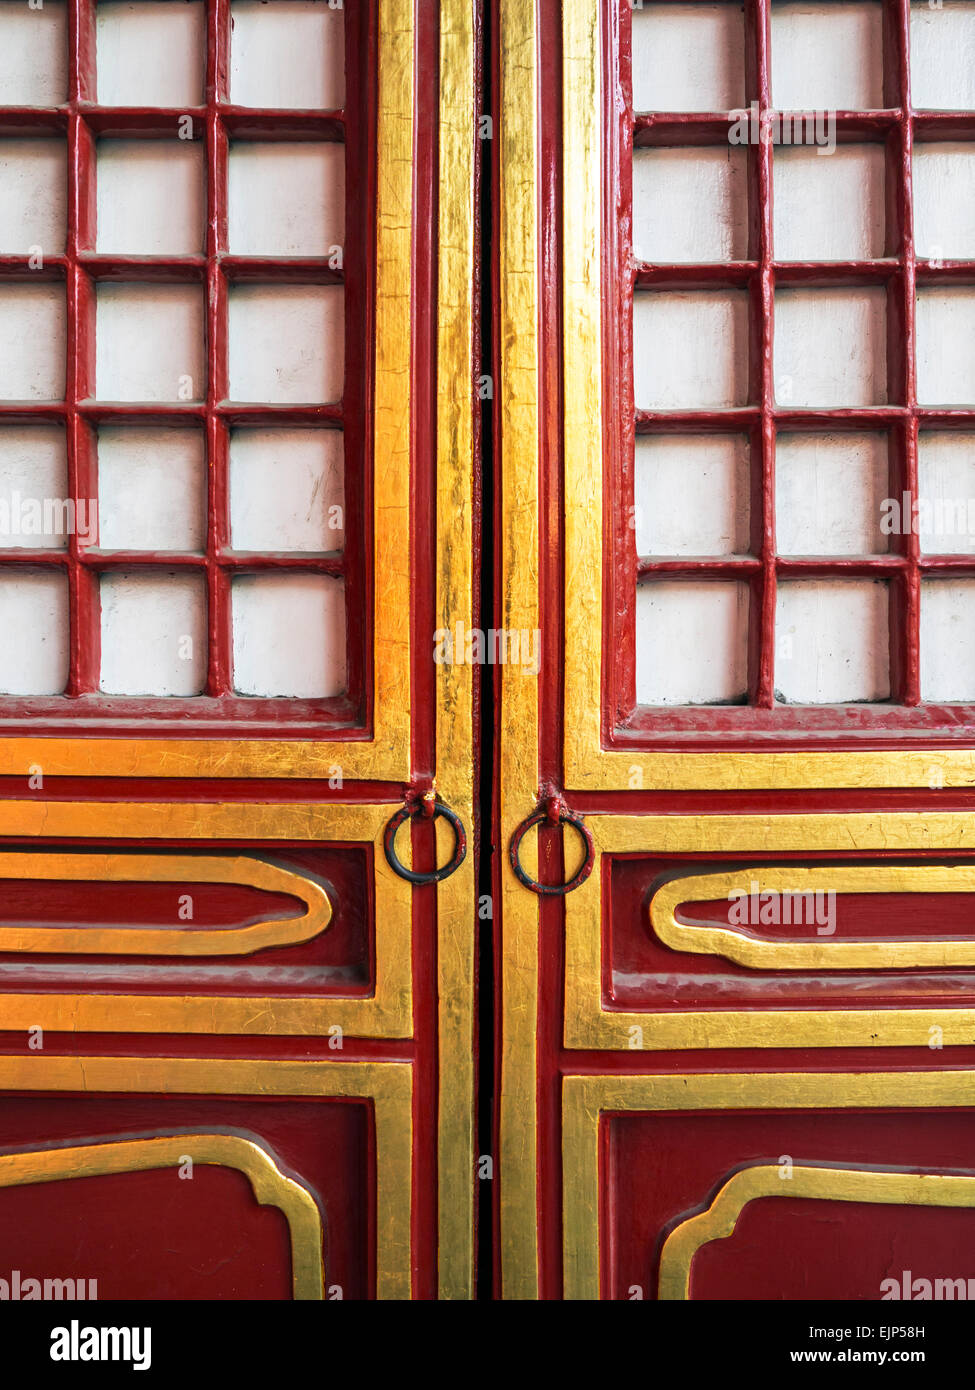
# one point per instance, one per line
(237, 1054)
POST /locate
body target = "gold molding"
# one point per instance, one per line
(164, 941)
(270, 1186)
(589, 766)
(456, 896)
(589, 1025)
(819, 1183)
(388, 1013)
(386, 755)
(387, 1085)
(518, 408)
(763, 953)
(586, 1098)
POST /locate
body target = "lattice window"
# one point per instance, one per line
(184, 279)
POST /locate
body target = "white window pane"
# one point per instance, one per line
(289, 635)
(827, 56)
(287, 344)
(945, 513)
(688, 57)
(944, 201)
(154, 634)
(691, 493)
(151, 489)
(690, 349)
(690, 204)
(830, 347)
(150, 52)
(35, 509)
(946, 346)
(289, 54)
(948, 640)
(831, 641)
(33, 53)
(287, 490)
(943, 57)
(33, 632)
(829, 494)
(149, 343)
(829, 207)
(34, 206)
(691, 642)
(286, 199)
(33, 342)
(151, 197)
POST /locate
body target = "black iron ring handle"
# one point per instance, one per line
(566, 817)
(407, 812)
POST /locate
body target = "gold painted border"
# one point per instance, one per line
(821, 1184)
(588, 765)
(387, 755)
(386, 1014)
(763, 953)
(588, 1025)
(166, 941)
(388, 1085)
(270, 1186)
(586, 1098)
(456, 896)
(518, 408)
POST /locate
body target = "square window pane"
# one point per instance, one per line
(154, 633)
(943, 56)
(946, 345)
(829, 207)
(33, 632)
(287, 490)
(692, 494)
(289, 635)
(830, 347)
(33, 53)
(688, 57)
(289, 54)
(152, 489)
(945, 513)
(831, 641)
(827, 56)
(829, 494)
(948, 640)
(149, 343)
(286, 199)
(151, 197)
(944, 201)
(690, 349)
(150, 52)
(34, 206)
(33, 342)
(690, 204)
(287, 343)
(36, 511)
(691, 642)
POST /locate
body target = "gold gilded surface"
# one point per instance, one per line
(270, 1186)
(455, 709)
(164, 941)
(588, 766)
(388, 1013)
(745, 947)
(818, 1184)
(519, 423)
(586, 1098)
(589, 1025)
(387, 1085)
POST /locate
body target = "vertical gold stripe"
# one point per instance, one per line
(518, 417)
(455, 758)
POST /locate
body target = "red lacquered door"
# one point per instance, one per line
(736, 956)
(237, 1036)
